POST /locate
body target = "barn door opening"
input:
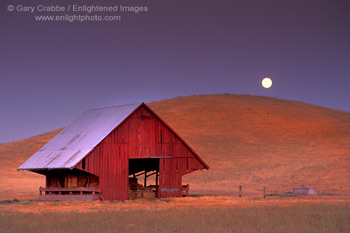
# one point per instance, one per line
(143, 178)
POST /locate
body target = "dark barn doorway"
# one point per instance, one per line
(143, 178)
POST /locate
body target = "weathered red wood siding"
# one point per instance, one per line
(141, 135)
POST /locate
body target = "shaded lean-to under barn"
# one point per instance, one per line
(115, 153)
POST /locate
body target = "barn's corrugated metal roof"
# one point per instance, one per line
(78, 139)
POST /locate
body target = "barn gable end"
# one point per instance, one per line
(141, 136)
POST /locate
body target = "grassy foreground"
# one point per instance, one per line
(297, 218)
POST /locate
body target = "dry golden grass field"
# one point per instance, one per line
(259, 141)
(193, 214)
(251, 141)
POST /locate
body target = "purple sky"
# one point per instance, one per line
(52, 71)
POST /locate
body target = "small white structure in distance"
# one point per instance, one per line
(304, 191)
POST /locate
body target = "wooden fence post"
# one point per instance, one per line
(240, 191)
(264, 192)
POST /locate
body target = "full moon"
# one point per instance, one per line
(266, 82)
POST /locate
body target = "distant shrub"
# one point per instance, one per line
(15, 200)
(165, 200)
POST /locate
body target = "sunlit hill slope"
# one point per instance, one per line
(251, 141)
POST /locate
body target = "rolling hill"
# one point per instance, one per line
(246, 140)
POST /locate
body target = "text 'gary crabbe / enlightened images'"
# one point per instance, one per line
(77, 12)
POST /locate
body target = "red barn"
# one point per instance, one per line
(102, 154)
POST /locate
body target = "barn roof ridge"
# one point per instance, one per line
(106, 107)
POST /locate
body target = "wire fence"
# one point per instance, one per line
(265, 192)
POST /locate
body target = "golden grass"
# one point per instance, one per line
(204, 214)
(22, 184)
(171, 203)
(249, 140)
(259, 141)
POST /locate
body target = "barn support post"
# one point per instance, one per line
(240, 191)
(145, 179)
(264, 192)
(157, 187)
